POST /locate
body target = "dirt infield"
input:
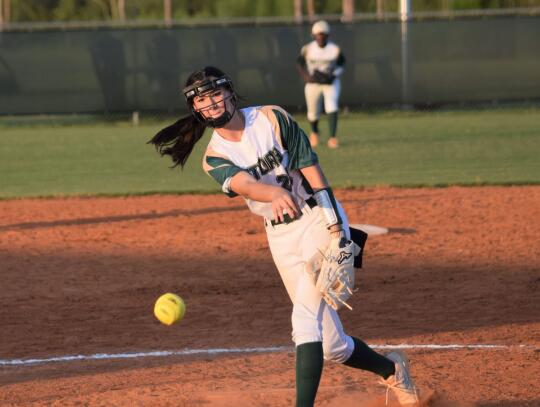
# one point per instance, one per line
(79, 276)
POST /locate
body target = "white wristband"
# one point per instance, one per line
(327, 205)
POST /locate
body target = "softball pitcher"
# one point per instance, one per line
(321, 64)
(261, 154)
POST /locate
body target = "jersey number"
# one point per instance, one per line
(285, 181)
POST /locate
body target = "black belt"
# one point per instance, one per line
(311, 202)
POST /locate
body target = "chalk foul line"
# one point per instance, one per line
(218, 351)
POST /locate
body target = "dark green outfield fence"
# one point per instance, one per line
(119, 70)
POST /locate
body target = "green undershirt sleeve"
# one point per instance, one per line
(222, 171)
(295, 142)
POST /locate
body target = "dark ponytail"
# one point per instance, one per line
(178, 139)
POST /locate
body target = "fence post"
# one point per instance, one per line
(405, 13)
(167, 12)
(347, 9)
(380, 9)
(311, 10)
(298, 11)
(122, 10)
(5, 13)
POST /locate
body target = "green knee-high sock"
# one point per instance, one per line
(314, 126)
(332, 123)
(309, 365)
(365, 358)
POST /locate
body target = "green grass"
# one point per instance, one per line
(477, 147)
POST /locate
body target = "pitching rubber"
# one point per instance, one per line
(371, 230)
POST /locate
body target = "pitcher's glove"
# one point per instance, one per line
(333, 271)
(322, 78)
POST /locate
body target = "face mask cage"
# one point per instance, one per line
(207, 86)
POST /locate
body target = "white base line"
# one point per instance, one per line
(217, 351)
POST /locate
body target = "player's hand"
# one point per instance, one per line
(283, 204)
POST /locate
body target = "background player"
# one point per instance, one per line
(320, 64)
(262, 154)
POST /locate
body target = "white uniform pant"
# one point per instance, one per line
(313, 320)
(315, 94)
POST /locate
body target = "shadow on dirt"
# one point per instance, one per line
(182, 212)
(120, 218)
(510, 403)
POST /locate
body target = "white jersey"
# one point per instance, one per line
(272, 149)
(328, 59)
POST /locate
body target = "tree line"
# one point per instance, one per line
(99, 10)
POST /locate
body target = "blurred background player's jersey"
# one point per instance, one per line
(325, 59)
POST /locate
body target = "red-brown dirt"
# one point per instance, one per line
(80, 276)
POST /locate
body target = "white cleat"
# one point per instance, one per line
(401, 382)
(333, 142)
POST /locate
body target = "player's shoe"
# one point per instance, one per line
(313, 139)
(401, 383)
(333, 142)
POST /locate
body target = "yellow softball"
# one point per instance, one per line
(169, 308)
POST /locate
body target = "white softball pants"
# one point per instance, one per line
(313, 320)
(315, 94)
